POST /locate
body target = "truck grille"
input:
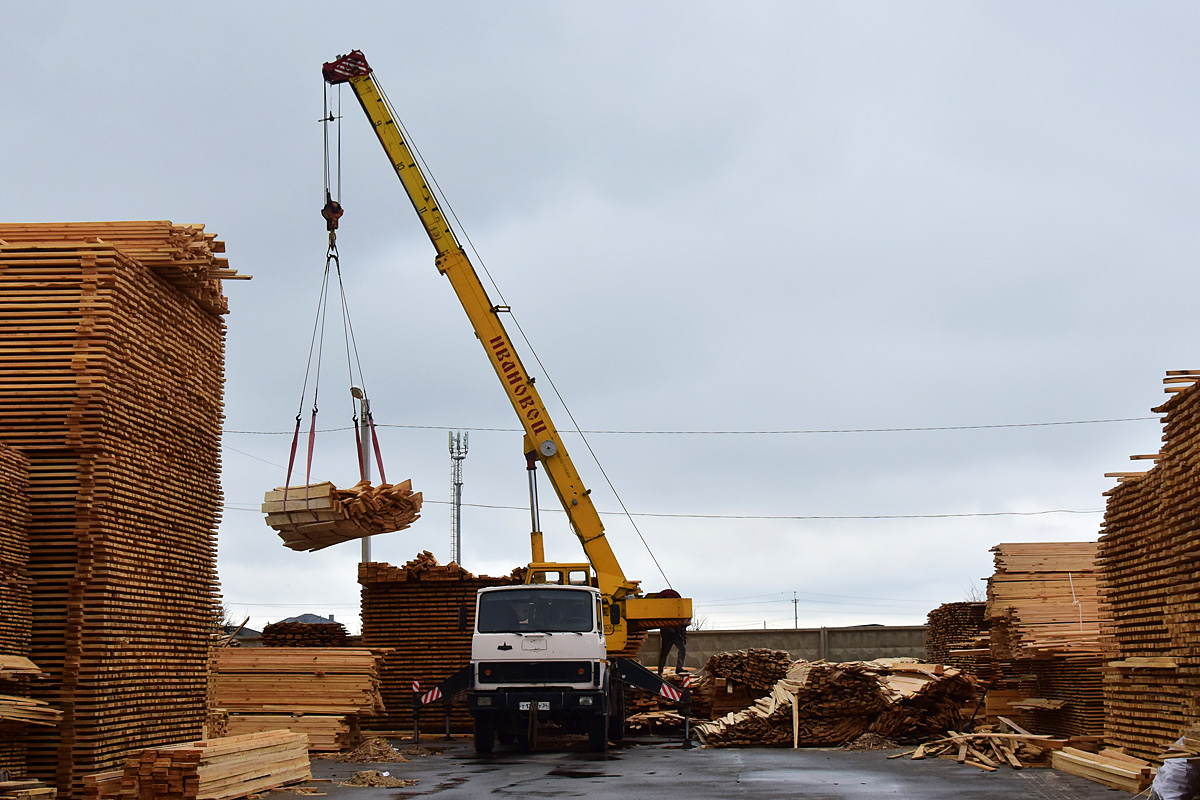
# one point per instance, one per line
(536, 671)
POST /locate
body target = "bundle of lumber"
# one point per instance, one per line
(26, 790)
(318, 691)
(217, 769)
(111, 382)
(1151, 586)
(304, 634)
(1110, 767)
(1045, 641)
(821, 704)
(953, 637)
(16, 608)
(757, 668)
(413, 610)
(319, 515)
(28, 711)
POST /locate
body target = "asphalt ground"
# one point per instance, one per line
(662, 769)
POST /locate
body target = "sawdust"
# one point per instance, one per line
(375, 778)
(418, 750)
(870, 741)
(374, 751)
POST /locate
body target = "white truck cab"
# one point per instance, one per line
(539, 651)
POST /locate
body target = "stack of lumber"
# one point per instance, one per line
(319, 515)
(757, 668)
(821, 704)
(16, 610)
(28, 711)
(1047, 649)
(16, 607)
(953, 636)
(111, 378)
(26, 790)
(318, 691)
(413, 610)
(1110, 767)
(304, 634)
(1151, 587)
(216, 769)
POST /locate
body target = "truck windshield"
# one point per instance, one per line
(535, 610)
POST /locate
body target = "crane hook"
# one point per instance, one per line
(332, 212)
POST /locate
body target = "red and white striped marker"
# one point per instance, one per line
(687, 681)
(430, 696)
(670, 692)
(416, 686)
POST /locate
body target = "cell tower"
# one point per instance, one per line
(458, 453)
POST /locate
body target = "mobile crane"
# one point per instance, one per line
(552, 644)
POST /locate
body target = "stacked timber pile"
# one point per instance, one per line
(757, 668)
(413, 610)
(1151, 586)
(16, 609)
(322, 692)
(953, 636)
(1045, 638)
(822, 704)
(304, 634)
(213, 769)
(111, 373)
(320, 515)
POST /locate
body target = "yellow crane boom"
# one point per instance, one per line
(541, 437)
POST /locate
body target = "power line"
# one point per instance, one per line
(779, 432)
(774, 516)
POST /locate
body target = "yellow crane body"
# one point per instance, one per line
(541, 437)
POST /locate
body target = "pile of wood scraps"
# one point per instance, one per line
(989, 749)
(822, 704)
(319, 515)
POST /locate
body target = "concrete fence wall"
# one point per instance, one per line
(811, 644)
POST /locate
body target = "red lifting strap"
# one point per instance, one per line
(312, 441)
(375, 443)
(362, 464)
(292, 458)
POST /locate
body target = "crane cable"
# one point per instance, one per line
(332, 212)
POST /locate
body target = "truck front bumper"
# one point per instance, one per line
(536, 700)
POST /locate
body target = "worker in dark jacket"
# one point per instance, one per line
(672, 637)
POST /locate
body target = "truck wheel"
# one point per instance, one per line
(598, 733)
(485, 733)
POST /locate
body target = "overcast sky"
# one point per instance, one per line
(734, 233)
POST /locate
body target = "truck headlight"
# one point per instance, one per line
(586, 701)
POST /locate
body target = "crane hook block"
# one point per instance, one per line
(332, 212)
(343, 68)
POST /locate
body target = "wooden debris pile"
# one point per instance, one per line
(1151, 586)
(111, 384)
(989, 748)
(322, 692)
(304, 634)
(213, 769)
(319, 515)
(822, 704)
(756, 668)
(413, 611)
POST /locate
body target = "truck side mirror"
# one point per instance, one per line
(614, 614)
(462, 618)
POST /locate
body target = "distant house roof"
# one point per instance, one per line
(244, 633)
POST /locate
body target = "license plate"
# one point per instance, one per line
(524, 705)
